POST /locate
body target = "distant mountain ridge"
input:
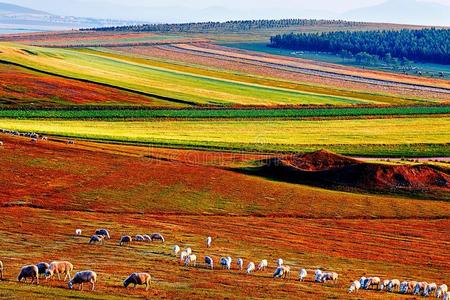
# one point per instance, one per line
(7, 8)
(403, 12)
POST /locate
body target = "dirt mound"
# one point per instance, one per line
(325, 168)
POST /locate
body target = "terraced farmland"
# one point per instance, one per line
(357, 137)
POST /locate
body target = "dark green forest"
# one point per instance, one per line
(230, 26)
(425, 45)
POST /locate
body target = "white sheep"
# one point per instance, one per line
(103, 232)
(96, 239)
(30, 271)
(393, 284)
(446, 296)
(430, 289)
(442, 289)
(354, 287)
(191, 259)
(420, 286)
(84, 277)
(1, 270)
(250, 267)
(317, 275)
(225, 262)
(209, 262)
(188, 250)
(362, 280)
(157, 237)
(302, 274)
(208, 242)
(280, 262)
(332, 276)
(78, 232)
(139, 238)
(278, 272)
(372, 282)
(240, 264)
(126, 239)
(263, 265)
(384, 284)
(183, 256)
(176, 250)
(147, 238)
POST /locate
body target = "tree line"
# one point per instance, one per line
(425, 45)
(229, 26)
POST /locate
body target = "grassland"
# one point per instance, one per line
(262, 135)
(49, 189)
(168, 84)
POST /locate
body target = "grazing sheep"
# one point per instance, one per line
(385, 284)
(372, 282)
(77, 231)
(104, 233)
(362, 280)
(420, 287)
(70, 142)
(1, 270)
(250, 267)
(183, 255)
(225, 262)
(410, 287)
(84, 277)
(58, 268)
(138, 279)
(42, 268)
(1, 143)
(354, 287)
(393, 284)
(280, 262)
(263, 265)
(157, 237)
(44, 138)
(286, 271)
(96, 239)
(125, 240)
(208, 242)
(176, 250)
(442, 289)
(240, 264)
(209, 262)
(278, 272)
(191, 259)
(333, 276)
(317, 275)
(139, 238)
(30, 271)
(430, 289)
(147, 238)
(403, 287)
(188, 250)
(33, 140)
(302, 275)
(446, 296)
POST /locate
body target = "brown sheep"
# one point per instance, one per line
(138, 279)
(125, 240)
(30, 271)
(59, 267)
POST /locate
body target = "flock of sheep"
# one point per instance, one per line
(405, 287)
(186, 257)
(34, 137)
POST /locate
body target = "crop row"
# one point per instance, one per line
(287, 113)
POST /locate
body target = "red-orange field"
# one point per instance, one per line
(22, 87)
(49, 189)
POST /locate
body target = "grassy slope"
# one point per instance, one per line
(264, 135)
(158, 81)
(67, 180)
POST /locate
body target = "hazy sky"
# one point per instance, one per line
(194, 10)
